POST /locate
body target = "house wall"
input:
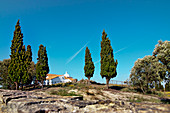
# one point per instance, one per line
(56, 80)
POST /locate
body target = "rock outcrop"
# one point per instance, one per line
(13, 101)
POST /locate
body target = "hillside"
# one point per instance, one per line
(79, 98)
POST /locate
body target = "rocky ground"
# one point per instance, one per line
(93, 100)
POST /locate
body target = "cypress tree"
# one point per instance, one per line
(27, 56)
(23, 69)
(108, 65)
(16, 63)
(28, 64)
(89, 65)
(42, 68)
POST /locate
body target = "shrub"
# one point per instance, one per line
(63, 92)
(129, 89)
(167, 86)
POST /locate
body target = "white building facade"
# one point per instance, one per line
(54, 79)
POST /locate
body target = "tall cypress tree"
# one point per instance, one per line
(16, 63)
(42, 68)
(89, 65)
(27, 59)
(108, 65)
(28, 64)
(23, 69)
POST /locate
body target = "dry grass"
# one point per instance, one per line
(167, 93)
(120, 85)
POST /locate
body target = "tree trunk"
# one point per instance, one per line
(107, 83)
(142, 88)
(16, 85)
(42, 82)
(22, 87)
(88, 80)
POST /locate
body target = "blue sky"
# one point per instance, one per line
(66, 26)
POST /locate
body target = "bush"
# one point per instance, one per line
(159, 87)
(167, 86)
(63, 92)
(72, 85)
(137, 99)
(129, 89)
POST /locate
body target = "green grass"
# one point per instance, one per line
(63, 92)
(129, 89)
(141, 99)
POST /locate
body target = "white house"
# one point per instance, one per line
(54, 79)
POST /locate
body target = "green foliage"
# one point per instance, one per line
(162, 53)
(146, 73)
(63, 92)
(142, 99)
(23, 69)
(20, 59)
(129, 89)
(30, 67)
(108, 65)
(89, 65)
(31, 72)
(159, 86)
(42, 68)
(5, 82)
(167, 86)
(150, 71)
(27, 55)
(16, 66)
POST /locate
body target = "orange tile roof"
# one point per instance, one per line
(51, 76)
(69, 78)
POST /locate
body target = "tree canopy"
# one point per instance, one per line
(89, 65)
(162, 53)
(42, 68)
(16, 66)
(108, 64)
(150, 71)
(5, 80)
(147, 73)
(20, 59)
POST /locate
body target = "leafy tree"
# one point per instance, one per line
(167, 86)
(16, 64)
(31, 72)
(5, 82)
(162, 53)
(42, 68)
(159, 86)
(89, 65)
(147, 73)
(108, 65)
